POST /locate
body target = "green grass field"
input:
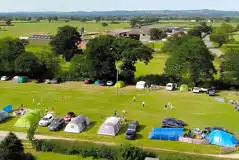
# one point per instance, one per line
(100, 102)
(44, 27)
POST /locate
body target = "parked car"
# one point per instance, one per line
(212, 92)
(196, 90)
(46, 120)
(57, 124)
(204, 90)
(109, 83)
(47, 81)
(69, 116)
(5, 78)
(55, 81)
(171, 86)
(88, 81)
(132, 130)
(102, 83)
(173, 123)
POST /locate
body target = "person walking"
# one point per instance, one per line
(143, 104)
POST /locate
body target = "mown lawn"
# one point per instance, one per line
(51, 156)
(44, 27)
(100, 102)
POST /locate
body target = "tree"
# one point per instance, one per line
(55, 18)
(230, 68)
(32, 130)
(65, 42)
(11, 148)
(10, 49)
(8, 22)
(104, 24)
(157, 34)
(30, 65)
(221, 35)
(78, 67)
(103, 52)
(190, 62)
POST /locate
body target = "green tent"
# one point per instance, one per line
(183, 88)
(120, 84)
(22, 79)
(25, 120)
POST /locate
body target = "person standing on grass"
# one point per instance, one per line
(134, 99)
(143, 104)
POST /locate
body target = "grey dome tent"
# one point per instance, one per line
(78, 124)
(3, 116)
(110, 127)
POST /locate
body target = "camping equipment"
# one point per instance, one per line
(173, 123)
(141, 85)
(97, 82)
(222, 138)
(25, 120)
(171, 134)
(120, 84)
(193, 141)
(3, 116)
(22, 79)
(183, 88)
(77, 124)
(8, 109)
(110, 127)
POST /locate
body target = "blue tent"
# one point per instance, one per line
(8, 109)
(97, 82)
(171, 134)
(222, 138)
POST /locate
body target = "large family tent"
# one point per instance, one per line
(97, 82)
(172, 134)
(3, 116)
(78, 124)
(25, 120)
(120, 84)
(110, 127)
(8, 109)
(140, 85)
(222, 138)
(183, 88)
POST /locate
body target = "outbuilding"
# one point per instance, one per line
(110, 127)
(78, 124)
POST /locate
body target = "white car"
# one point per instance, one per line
(171, 86)
(204, 89)
(109, 83)
(46, 120)
(5, 78)
(196, 90)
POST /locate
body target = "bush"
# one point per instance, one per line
(111, 153)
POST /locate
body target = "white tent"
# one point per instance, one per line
(140, 85)
(110, 127)
(78, 124)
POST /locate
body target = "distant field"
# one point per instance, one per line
(44, 27)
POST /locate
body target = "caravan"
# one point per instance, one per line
(141, 85)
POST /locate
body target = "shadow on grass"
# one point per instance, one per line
(92, 124)
(6, 120)
(139, 136)
(141, 128)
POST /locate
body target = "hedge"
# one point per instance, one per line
(125, 152)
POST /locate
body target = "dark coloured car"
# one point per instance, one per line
(88, 81)
(173, 123)
(212, 92)
(57, 124)
(132, 130)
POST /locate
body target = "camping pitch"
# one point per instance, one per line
(30, 116)
(78, 124)
(110, 127)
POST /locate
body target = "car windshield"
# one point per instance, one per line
(45, 119)
(131, 127)
(196, 88)
(130, 132)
